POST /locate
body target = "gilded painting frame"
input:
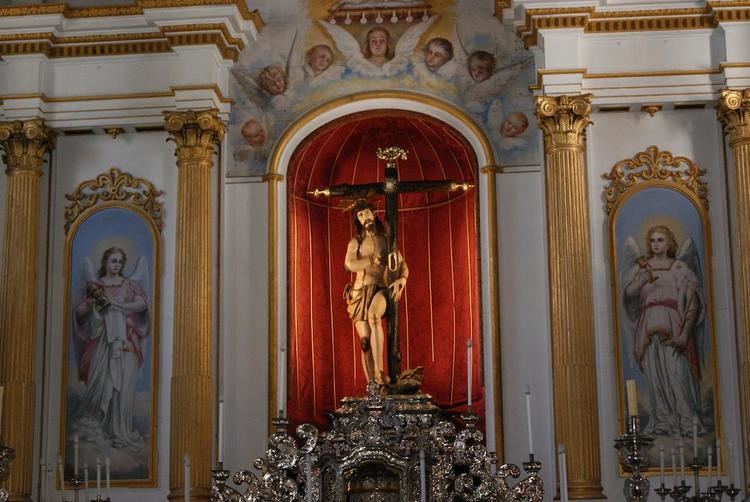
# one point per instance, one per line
(132, 203)
(660, 192)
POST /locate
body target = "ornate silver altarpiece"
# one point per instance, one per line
(393, 448)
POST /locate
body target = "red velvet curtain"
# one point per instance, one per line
(437, 235)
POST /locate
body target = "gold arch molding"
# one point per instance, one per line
(374, 100)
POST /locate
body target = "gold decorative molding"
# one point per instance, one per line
(194, 133)
(654, 164)
(136, 95)
(563, 120)
(126, 10)
(113, 132)
(592, 20)
(24, 144)
(114, 186)
(734, 113)
(651, 109)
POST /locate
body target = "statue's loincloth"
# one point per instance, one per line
(358, 300)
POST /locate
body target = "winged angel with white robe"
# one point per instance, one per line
(376, 59)
(663, 318)
(111, 322)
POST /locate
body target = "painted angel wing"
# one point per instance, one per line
(490, 87)
(495, 116)
(247, 83)
(345, 43)
(627, 267)
(627, 260)
(295, 62)
(408, 41)
(688, 254)
(141, 274)
(89, 272)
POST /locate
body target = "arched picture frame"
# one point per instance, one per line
(109, 376)
(660, 256)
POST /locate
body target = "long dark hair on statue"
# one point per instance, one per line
(359, 229)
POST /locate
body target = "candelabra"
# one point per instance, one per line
(632, 446)
(7, 455)
(713, 493)
(381, 446)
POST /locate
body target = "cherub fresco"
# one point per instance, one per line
(378, 57)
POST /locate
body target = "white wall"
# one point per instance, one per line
(695, 134)
(80, 158)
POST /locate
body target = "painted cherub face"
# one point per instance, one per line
(378, 43)
(319, 59)
(479, 70)
(253, 132)
(272, 79)
(514, 125)
(435, 57)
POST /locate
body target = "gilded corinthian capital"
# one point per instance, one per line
(734, 112)
(24, 144)
(563, 119)
(195, 133)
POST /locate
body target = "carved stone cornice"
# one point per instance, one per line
(194, 133)
(563, 120)
(734, 113)
(24, 145)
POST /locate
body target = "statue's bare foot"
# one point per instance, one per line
(365, 344)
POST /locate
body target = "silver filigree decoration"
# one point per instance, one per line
(114, 186)
(373, 452)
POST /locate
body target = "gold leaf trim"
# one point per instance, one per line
(114, 186)
(654, 165)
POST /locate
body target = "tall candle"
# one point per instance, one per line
(186, 475)
(682, 460)
(718, 457)
(107, 465)
(61, 473)
(282, 381)
(731, 465)
(98, 478)
(85, 481)
(632, 398)
(308, 479)
(422, 477)
(221, 432)
(75, 454)
(695, 438)
(2, 391)
(710, 452)
(563, 473)
(661, 464)
(469, 345)
(528, 420)
(674, 468)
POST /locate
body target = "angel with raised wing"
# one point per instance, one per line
(378, 57)
(111, 322)
(664, 316)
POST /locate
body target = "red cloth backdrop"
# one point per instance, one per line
(438, 237)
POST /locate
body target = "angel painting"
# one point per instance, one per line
(378, 57)
(664, 313)
(111, 322)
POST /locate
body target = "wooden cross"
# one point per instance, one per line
(391, 187)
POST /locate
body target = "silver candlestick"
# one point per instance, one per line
(7, 455)
(632, 447)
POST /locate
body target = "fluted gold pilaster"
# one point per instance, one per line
(734, 114)
(563, 121)
(195, 134)
(24, 145)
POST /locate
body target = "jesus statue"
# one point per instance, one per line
(366, 257)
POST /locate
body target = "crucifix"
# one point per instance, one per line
(391, 187)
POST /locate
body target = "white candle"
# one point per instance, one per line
(308, 480)
(632, 398)
(186, 474)
(695, 438)
(43, 480)
(98, 478)
(718, 457)
(221, 432)
(85, 481)
(469, 345)
(674, 468)
(710, 452)
(282, 382)
(528, 420)
(422, 477)
(75, 454)
(731, 465)
(661, 464)
(2, 392)
(563, 473)
(682, 460)
(61, 473)
(107, 465)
